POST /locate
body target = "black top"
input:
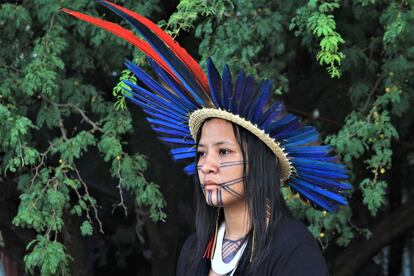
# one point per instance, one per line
(294, 252)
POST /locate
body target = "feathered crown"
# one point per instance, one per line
(177, 108)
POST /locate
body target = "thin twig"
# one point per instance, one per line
(121, 194)
(86, 118)
(42, 163)
(79, 110)
(371, 93)
(91, 203)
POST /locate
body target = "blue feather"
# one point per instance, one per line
(153, 112)
(248, 96)
(324, 159)
(288, 134)
(308, 150)
(214, 82)
(332, 196)
(182, 150)
(177, 141)
(302, 139)
(284, 122)
(166, 118)
(270, 114)
(157, 100)
(293, 126)
(147, 106)
(176, 88)
(300, 161)
(183, 153)
(314, 198)
(167, 124)
(237, 93)
(181, 156)
(320, 172)
(174, 63)
(227, 88)
(264, 98)
(328, 183)
(156, 87)
(190, 169)
(171, 132)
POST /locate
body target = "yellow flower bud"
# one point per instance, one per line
(118, 157)
(382, 170)
(322, 234)
(60, 161)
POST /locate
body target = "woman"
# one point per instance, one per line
(250, 201)
(241, 148)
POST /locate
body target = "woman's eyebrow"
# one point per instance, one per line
(217, 144)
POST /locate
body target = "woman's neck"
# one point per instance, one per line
(237, 221)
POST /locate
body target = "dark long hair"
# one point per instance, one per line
(261, 190)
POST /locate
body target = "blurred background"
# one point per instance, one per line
(87, 188)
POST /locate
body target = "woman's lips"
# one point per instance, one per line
(210, 185)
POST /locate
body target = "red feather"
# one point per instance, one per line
(180, 52)
(124, 34)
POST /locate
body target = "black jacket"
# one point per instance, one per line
(294, 252)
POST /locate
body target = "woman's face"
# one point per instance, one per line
(220, 165)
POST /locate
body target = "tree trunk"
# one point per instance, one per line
(384, 231)
(395, 198)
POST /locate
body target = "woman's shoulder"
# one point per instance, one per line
(292, 232)
(295, 251)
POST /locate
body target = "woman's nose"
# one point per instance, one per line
(209, 165)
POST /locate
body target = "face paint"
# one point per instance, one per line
(210, 198)
(220, 164)
(226, 186)
(231, 164)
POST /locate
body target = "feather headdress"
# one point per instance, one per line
(177, 109)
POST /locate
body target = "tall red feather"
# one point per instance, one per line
(124, 34)
(180, 52)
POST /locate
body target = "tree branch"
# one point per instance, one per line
(384, 231)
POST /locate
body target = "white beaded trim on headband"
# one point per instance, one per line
(198, 117)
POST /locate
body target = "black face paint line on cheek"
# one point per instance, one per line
(233, 192)
(231, 182)
(230, 164)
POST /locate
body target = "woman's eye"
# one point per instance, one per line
(200, 154)
(224, 151)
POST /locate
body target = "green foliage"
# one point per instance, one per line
(48, 256)
(315, 18)
(53, 111)
(52, 115)
(86, 228)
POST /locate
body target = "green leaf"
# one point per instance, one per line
(86, 228)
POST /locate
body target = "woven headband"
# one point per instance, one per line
(184, 97)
